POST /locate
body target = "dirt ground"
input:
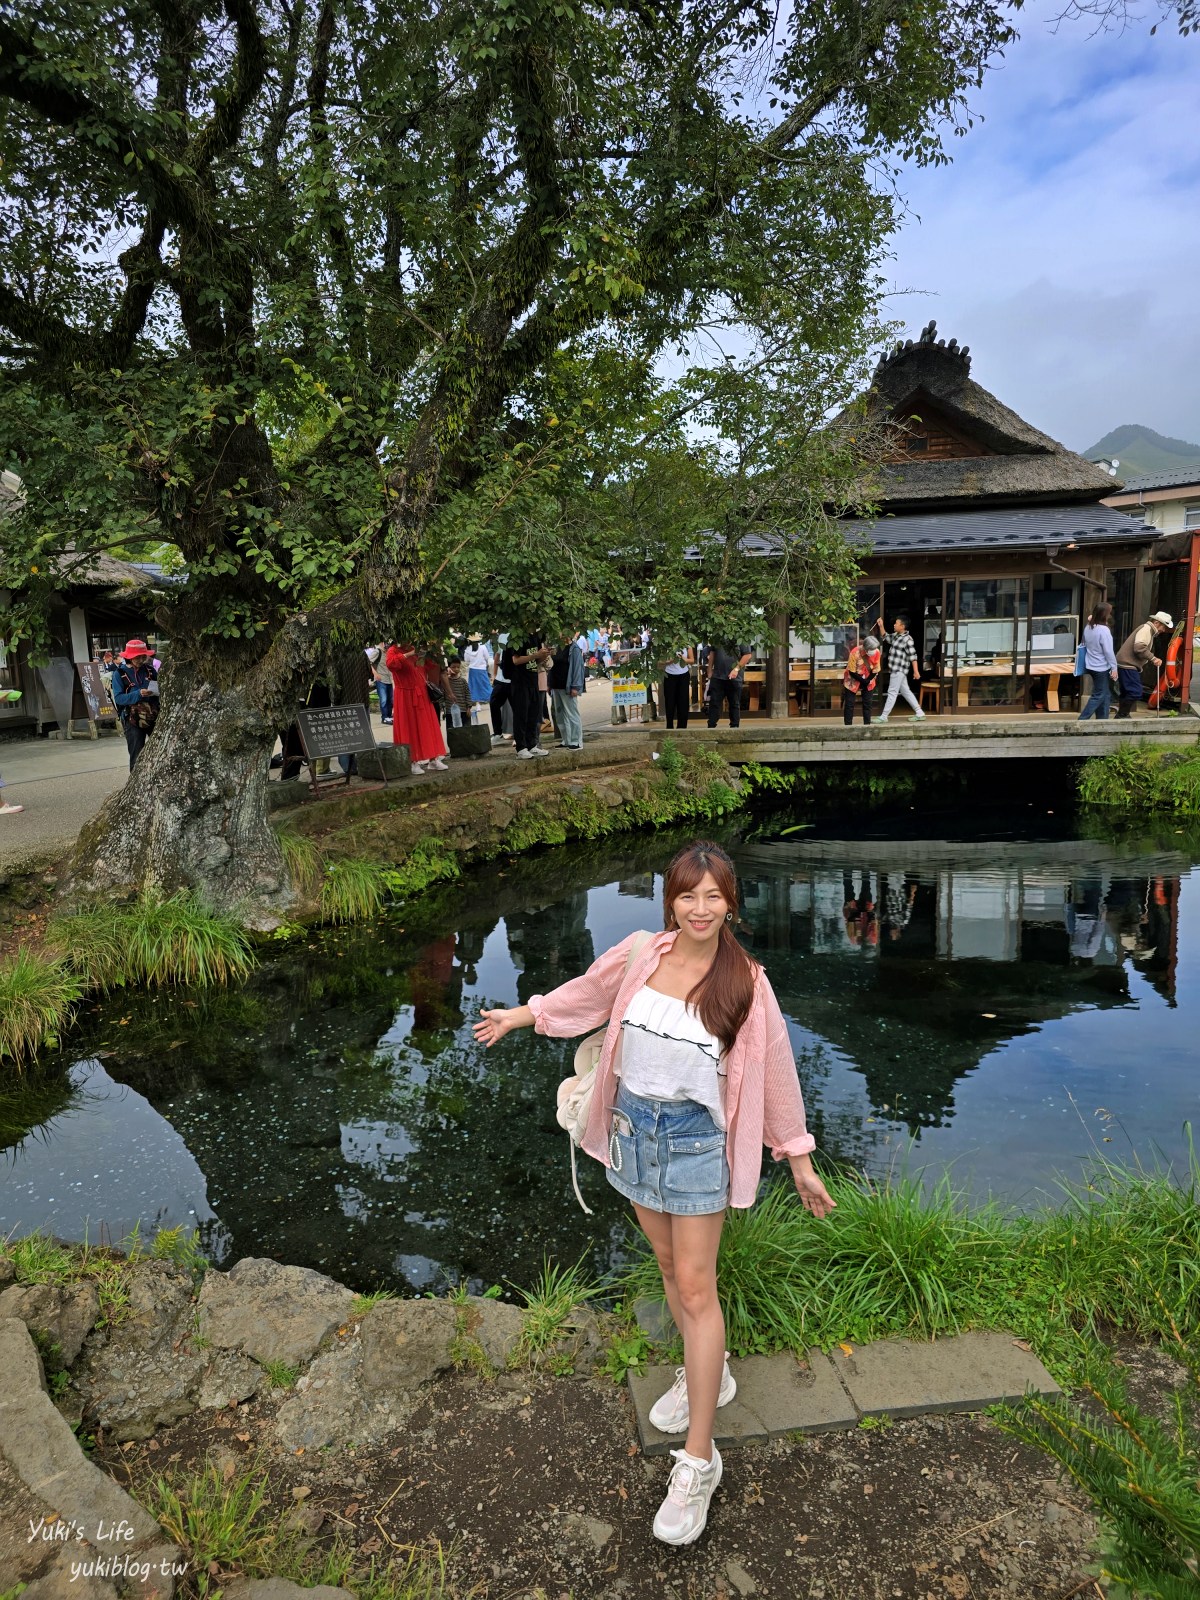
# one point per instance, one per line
(538, 1488)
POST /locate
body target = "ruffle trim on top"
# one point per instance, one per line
(668, 1018)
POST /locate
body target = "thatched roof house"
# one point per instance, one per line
(956, 443)
(992, 542)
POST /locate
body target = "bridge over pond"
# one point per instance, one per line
(971, 738)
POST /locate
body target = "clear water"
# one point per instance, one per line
(1005, 1000)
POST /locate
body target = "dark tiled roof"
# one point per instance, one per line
(1179, 478)
(1004, 528)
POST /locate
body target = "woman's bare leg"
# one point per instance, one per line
(694, 1242)
(656, 1225)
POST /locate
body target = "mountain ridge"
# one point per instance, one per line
(1141, 451)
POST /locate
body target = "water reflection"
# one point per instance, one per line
(986, 998)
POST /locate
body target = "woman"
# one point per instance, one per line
(1100, 660)
(677, 688)
(858, 680)
(477, 659)
(703, 1050)
(414, 721)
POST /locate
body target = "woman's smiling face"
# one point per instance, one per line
(701, 911)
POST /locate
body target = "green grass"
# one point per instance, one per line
(1122, 1252)
(153, 941)
(303, 860)
(229, 1525)
(37, 996)
(364, 1302)
(282, 1375)
(353, 891)
(37, 1259)
(548, 1306)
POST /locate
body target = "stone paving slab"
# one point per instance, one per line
(776, 1395)
(904, 1378)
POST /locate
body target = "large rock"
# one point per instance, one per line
(112, 1540)
(496, 1327)
(153, 1367)
(279, 1589)
(368, 1384)
(8, 1270)
(406, 1343)
(63, 1314)
(385, 761)
(271, 1312)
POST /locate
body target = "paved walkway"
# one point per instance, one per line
(62, 783)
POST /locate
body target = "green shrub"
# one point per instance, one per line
(37, 996)
(1140, 1474)
(154, 941)
(1143, 778)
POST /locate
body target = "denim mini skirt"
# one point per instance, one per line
(667, 1155)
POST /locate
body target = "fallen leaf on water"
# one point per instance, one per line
(991, 1015)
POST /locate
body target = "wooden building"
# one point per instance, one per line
(98, 602)
(991, 540)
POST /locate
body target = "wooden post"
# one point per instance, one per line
(777, 667)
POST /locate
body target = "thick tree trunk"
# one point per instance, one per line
(193, 814)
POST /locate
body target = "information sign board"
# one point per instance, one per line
(97, 697)
(335, 731)
(628, 692)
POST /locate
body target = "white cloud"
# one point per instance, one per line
(1063, 244)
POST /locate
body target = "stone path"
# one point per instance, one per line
(783, 1394)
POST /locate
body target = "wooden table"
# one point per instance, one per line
(1052, 671)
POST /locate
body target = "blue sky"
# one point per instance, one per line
(1063, 243)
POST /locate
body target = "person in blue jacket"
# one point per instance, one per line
(135, 695)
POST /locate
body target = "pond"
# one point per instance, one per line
(1001, 997)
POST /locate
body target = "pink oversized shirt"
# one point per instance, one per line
(763, 1104)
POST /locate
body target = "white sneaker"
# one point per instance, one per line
(683, 1514)
(670, 1413)
(417, 769)
(879, 721)
(9, 811)
(524, 755)
(497, 738)
(439, 765)
(920, 717)
(538, 751)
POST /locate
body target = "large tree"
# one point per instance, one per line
(285, 282)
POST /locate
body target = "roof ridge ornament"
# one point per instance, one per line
(928, 341)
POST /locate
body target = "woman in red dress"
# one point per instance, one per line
(414, 721)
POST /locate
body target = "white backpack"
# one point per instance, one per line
(575, 1093)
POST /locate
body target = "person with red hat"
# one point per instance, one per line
(135, 695)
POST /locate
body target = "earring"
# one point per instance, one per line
(729, 916)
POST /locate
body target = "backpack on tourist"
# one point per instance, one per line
(575, 1092)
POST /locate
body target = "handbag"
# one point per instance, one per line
(1081, 661)
(436, 697)
(575, 1092)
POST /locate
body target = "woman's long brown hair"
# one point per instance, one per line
(725, 993)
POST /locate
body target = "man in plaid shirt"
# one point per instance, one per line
(900, 655)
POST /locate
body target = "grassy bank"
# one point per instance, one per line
(1144, 779)
(1121, 1253)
